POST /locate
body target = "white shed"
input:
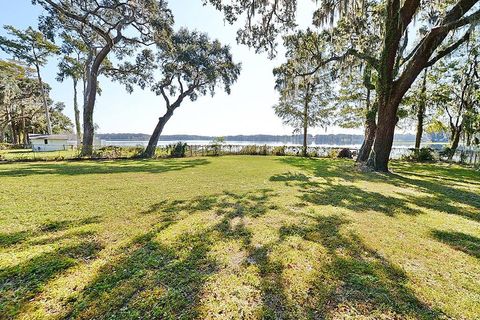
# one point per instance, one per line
(54, 142)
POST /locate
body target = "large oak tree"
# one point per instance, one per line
(189, 65)
(106, 26)
(397, 62)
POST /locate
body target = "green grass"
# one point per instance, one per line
(29, 155)
(238, 237)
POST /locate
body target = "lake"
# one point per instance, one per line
(118, 143)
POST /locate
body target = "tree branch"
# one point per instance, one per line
(448, 50)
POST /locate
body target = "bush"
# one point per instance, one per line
(345, 153)
(279, 151)
(263, 150)
(114, 152)
(10, 146)
(249, 150)
(254, 150)
(177, 150)
(332, 153)
(215, 148)
(420, 155)
(447, 152)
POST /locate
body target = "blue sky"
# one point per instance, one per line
(247, 110)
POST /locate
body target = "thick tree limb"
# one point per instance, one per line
(372, 61)
(430, 42)
(448, 50)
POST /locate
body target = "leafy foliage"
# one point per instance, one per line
(29, 46)
(178, 150)
(420, 155)
(454, 94)
(21, 105)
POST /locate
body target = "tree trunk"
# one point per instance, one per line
(78, 127)
(370, 130)
(44, 100)
(305, 137)
(152, 143)
(421, 112)
(370, 119)
(457, 132)
(89, 103)
(24, 128)
(420, 116)
(88, 129)
(14, 132)
(305, 128)
(387, 120)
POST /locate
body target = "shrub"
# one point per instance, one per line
(114, 152)
(249, 150)
(178, 150)
(279, 151)
(345, 153)
(332, 153)
(10, 146)
(463, 157)
(420, 155)
(263, 150)
(215, 147)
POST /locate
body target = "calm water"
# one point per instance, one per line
(403, 145)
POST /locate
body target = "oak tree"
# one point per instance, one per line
(188, 66)
(398, 62)
(106, 26)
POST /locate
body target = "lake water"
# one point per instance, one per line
(118, 143)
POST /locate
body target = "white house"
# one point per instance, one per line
(57, 142)
(54, 142)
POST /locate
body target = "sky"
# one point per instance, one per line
(247, 110)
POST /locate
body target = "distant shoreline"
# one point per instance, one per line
(327, 139)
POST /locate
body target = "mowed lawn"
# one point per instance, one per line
(238, 237)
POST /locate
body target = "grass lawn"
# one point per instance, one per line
(29, 155)
(238, 237)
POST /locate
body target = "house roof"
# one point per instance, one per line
(51, 137)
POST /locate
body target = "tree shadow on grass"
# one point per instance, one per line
(439, 172)
(71, 168)
(13, 238)
(249, 203)
(153, 281)
(440, 196)
(158, 281)
(49, 227)
(328, 169)
(355, 199)
(344, 196)
(20, 283)
(459, 241)
(357, 281)
(436, 195)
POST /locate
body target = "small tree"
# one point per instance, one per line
(31, 47)
(305, 102)
(455, 94)
(356, 107)
(417, 103)
(21, 105)
(190, 65)
(72, 66)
